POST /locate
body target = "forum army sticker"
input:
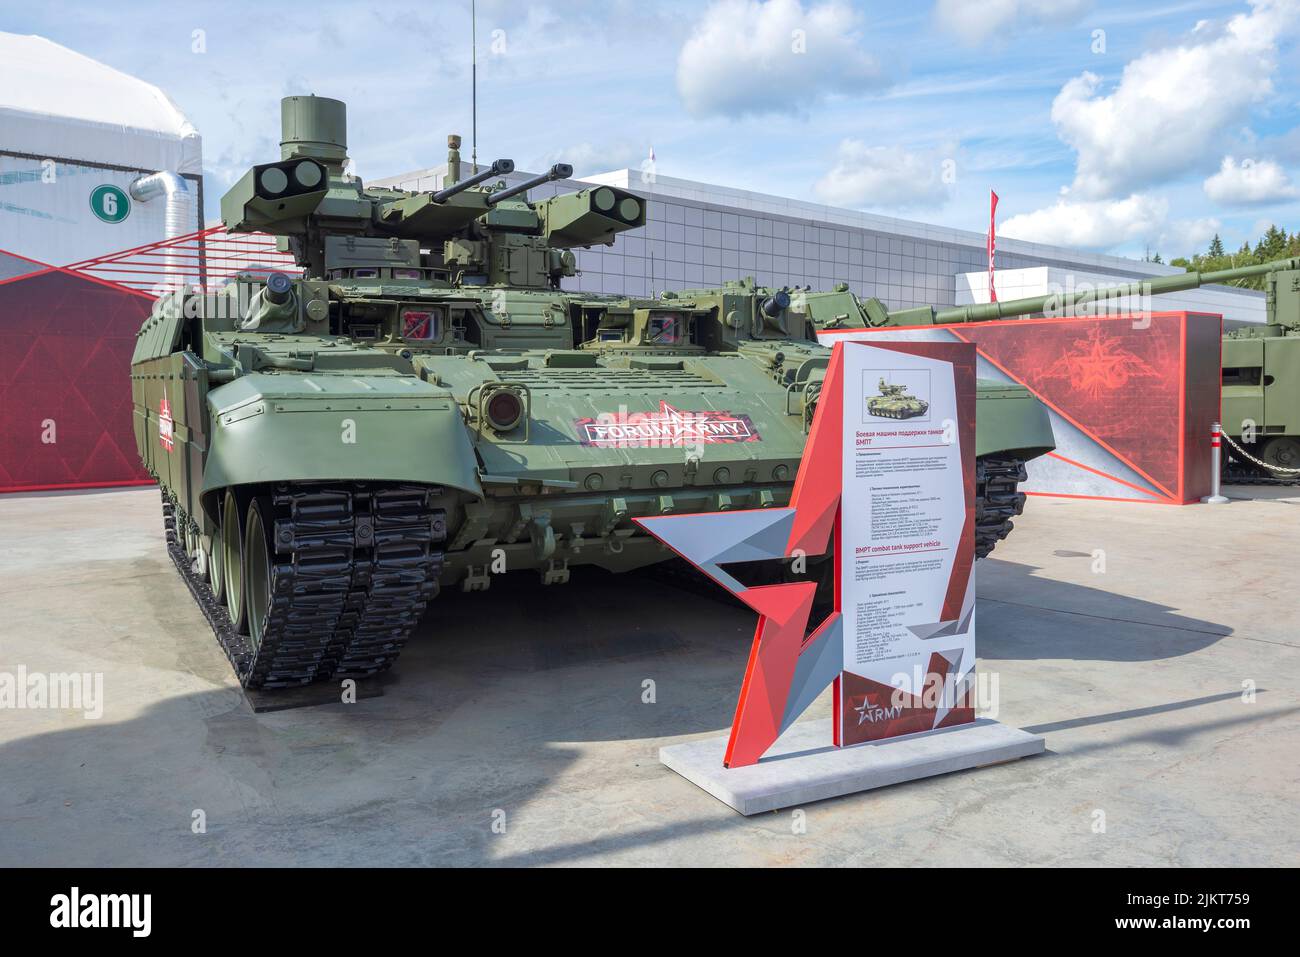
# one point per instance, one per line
(166, 426)
(669, 427)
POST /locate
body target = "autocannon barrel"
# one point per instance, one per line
(558, 171)
(498, 168)
(1063, 302)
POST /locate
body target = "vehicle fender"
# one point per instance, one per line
(279, 428)
(1009, 419)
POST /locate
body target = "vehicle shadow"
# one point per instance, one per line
(1022, 616)
(521, 727)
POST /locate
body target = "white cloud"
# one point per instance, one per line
(976, 23)
(884, 177)
(1249, 182)
(587, 158)
(1105, 224)
(1091, 225)
(1185, 235)
(1171, 108)
(751, 57)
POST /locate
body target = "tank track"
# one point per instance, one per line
(997, 499)
(352, 571)
(886, 414)
(1239, 473)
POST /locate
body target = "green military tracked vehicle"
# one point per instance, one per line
(894, 403)
(1261, 365)
(841, 309)
(1261, 383)
(425, 406)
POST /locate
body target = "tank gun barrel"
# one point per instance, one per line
(498, 168)
(1063, 302)
(558, 171)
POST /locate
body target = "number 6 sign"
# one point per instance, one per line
(110, 203)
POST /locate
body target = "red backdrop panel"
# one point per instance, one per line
(65, 363)
(1133, 396)
(1119, 380)
(1204, 368)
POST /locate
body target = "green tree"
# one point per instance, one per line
(1276, 243)
(1272, 245)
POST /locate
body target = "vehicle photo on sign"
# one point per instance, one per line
(896, 394)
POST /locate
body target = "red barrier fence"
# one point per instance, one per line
(206, 258)
(66, 338)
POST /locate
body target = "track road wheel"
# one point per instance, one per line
(259, 529)
(232, 558)
(1282, 452)
(196, 553)
(216, 567)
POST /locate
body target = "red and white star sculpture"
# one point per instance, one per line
(790, 665)
(786, 672)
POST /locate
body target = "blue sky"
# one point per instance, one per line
(1109, 125)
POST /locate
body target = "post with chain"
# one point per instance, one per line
(1216, 453)
(1270, 472)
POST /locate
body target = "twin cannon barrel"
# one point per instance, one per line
(310, 190)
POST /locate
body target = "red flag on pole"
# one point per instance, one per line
(992, 242)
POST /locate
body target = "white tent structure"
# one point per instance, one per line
(92, 160)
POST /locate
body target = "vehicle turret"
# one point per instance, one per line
(1282, 303)
(470, 231)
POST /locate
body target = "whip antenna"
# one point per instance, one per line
(473, 84)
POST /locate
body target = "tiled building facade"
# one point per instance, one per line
(702, 235)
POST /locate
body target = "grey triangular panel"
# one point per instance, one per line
(939, 629)
(709, 537)
(14, 266)
(818, 665)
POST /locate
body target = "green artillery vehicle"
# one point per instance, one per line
(894, 403)
(425, 406)
(1261, 383)
(1261, 366)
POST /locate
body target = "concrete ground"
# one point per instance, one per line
(1124, 633)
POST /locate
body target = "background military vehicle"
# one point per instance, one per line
(895, 403)
(1261, 365)
(425, 406)
(1261, 383)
